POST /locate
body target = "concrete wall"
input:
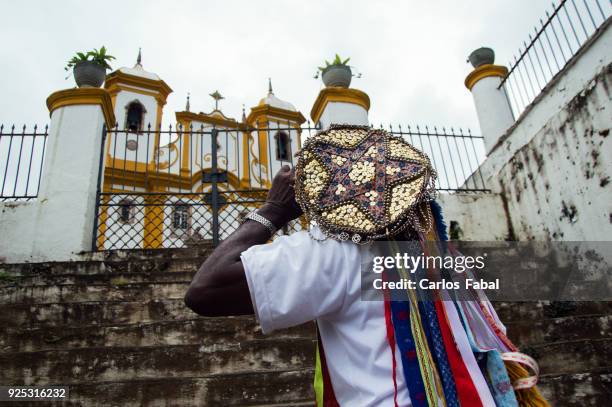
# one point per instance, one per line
(553, 165)
(476, 216)
(558, 184)
(59, 224)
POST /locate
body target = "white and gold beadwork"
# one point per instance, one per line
(402, 150)
(391, 170)
(338, 160)
(372, 196)
(315, 178)
(403, 196)
(362, 172)
(344, 137)
(349, 215)
(371, 152)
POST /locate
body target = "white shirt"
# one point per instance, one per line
(296, 279)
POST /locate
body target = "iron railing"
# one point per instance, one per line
(21, 162)
(162, 188)
(455, 154)
(554, 42)
(187, 186)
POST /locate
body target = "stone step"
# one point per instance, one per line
(552, 330)
(93, 313)
(131, 312)
(85, 365)
(186, 332)
(47, 272)
(115, 278)
(540, 310)
(570, 357)
(88, 293)
(579, 389)
(189, 331)
(279, 388)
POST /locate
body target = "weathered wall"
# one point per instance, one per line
(553, 165)
(114, 328)
(558, 185)
(58, 225)
(476, 216)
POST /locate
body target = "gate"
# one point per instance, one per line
(188, 186)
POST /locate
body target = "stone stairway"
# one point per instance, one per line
(114, 328)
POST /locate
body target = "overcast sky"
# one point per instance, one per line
(411, 54)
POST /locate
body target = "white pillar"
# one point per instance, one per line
(336, 105)
(65, 213)
(492, 104)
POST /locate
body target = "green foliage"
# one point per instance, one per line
(6, 277)
(337, 61)
(98, 56)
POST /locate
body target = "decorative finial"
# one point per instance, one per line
(217, 96)
(243, 114)
(187, 105)
(139, 58)
(270, 86)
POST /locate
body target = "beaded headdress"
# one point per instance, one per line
(362, 184)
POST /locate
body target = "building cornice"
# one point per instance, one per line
(274, 112)
(484, 71)
(189, 117)
(338, 94)
(84, 96)
(114, 79)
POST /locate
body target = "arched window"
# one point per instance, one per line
(134, 116)
(126, 209)
(283, 146)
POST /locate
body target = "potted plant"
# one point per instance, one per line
(89, 68)
(336, 73)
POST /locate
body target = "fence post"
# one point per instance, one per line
(60, 223)
(214, 191)
(94, 239)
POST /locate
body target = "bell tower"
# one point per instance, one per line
(138, 97)
(278, 137)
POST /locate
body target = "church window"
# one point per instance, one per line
(180, 217)
(283, 146)
(126, 211)
(134, 116)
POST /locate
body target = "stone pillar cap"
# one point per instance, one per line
(484, 71)
(84, 96)
(338, 94)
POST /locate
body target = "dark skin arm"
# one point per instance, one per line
(219, 288)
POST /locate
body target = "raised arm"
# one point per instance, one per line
(219, 288)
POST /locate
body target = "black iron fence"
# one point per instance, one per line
(21, 161)
(455, 154)
(553, 43)
(186, 186)
(183, 186)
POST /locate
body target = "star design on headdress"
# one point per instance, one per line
(366, 173)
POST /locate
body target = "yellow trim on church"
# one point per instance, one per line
(83, 96)
(484, 71)
(215, 118)
(337, 94)
(160, 88)
(271, 111)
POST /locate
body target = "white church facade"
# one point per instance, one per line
(154, 189)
